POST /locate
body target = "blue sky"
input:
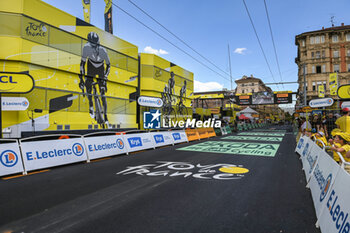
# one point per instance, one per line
(209, 26)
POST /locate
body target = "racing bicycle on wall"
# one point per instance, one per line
(167, 109)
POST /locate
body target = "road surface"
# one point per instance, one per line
(248, 182)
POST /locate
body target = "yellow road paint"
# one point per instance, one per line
(234, 170)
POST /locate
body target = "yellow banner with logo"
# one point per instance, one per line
(86, 9)
(333, 83)
(344, 92)
(321, 93)
(15, 82)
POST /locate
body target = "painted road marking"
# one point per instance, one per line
(252, 138)
(234, 170)
(236, 148)
(261, 134)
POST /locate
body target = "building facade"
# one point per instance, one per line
(250, 84)
(322, 52)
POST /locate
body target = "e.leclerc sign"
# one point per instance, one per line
(324, 102)
(12, 82)
(150, 101)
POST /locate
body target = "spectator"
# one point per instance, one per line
(316, 122)
(343, 122)
(330, 124)
(320, 136)
(339, 144)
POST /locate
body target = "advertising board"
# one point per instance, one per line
(99, 147)
(10, 159)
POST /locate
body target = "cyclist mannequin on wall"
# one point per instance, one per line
(183, 92)
(95, 56)
(171, 84)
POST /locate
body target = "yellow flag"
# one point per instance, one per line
(86, 9)
(108, 16)
(333, 83)
(321, 91)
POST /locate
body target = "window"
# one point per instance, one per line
(313, 70)
(323, 68)
(318, 69)
(322, 39)
(323, 54)
(335, 38)
(336, 53)
(317, 40)
(348, 37)
(303, 43)
(325, 85)
(318, 84)
(348, 53)
(318, 54)
(312, 40)
(312, 54)
(252, 90)
(336, 68)
(313, 86)
(348, 67)
(243, 91)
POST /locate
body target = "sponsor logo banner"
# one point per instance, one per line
(99, 147)
(188, 170)
(140, 141)
(14, 103)
(344, 92)
(237, 148)
(261, 134)
(335, 216)
(324, 102)
(179, 136)
(51, 153)
(150, 102)
(252, 138)
(322, 179)
(16, 82)
(162, 138)
(10, 159)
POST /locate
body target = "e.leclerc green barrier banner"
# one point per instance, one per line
(261, 134)
(254, 138)
(236, 148)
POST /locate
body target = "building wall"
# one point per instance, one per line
(322, 55)
(53, 57)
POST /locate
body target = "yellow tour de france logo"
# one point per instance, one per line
(16, 82)
(234, 170)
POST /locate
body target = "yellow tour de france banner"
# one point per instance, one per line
(333, 83)
(321, 91)
(108, 16)
(86, 9)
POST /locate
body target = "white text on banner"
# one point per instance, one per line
(99, 147)
(301, 144)
(307, 150)
(335, 216)
(10, 159)
(50, 153)
(311, 159)
(139, 141)
(322, 179)
(179, 136)
(162, 138)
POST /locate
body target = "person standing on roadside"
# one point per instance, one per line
(330, 124)
(343, 122)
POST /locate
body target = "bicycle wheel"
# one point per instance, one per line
(98, 112)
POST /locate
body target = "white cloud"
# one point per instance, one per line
(149, 49)
(240, 50)
(209, 86)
